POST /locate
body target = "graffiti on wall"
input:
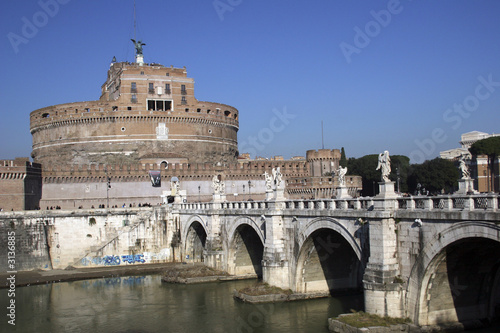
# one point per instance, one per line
(116, 260)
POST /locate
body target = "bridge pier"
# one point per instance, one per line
(382, 290)
(275, 270)
(384, 294)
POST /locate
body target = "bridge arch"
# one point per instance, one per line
(329, 258)
(194, 238)
(245, 246)
(456, 277)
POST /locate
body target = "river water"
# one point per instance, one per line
(144, 304)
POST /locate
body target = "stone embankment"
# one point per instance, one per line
(264, 293)
(354, 323)
(199, 273)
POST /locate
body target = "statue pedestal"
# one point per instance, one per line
(386, 190)
(180, 196)
(279, 194)
(342, 193)
(139, 59)
(386, 199)
(219, 197)
(269, 195)
(466, 186)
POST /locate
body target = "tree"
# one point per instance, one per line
(491, 148)
(435, 176)
(400, 163)
(343, 158)
(365, 167)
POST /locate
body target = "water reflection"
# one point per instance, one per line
(144, 304)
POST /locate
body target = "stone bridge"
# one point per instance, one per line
(432, 259)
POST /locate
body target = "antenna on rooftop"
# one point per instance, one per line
(322, 142)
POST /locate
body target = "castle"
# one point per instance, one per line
(147, 124)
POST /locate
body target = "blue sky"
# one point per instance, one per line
(404, 76)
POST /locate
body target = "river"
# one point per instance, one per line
(145, 305)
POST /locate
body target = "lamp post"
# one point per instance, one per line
(249, 190)
(397, 173)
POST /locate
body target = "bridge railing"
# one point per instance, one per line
(450, 202)
(442, 202)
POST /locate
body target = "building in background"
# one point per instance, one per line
(486, 179)
(20, 184)
(147, 127)
(147, 113)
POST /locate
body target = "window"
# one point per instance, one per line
(129, 108)
(167, 88)
(133, 87)
(183, 89)
(133, 99)
(187, 110)
(142, 73)
(151, 105)
(159, 105)
(183, 100)
(151, 88)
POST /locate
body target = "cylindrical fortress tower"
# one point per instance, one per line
(146, 113)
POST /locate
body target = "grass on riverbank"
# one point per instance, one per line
(261, 288)
(362, 319)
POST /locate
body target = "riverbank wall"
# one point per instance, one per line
(23, 244)
(84, 238)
